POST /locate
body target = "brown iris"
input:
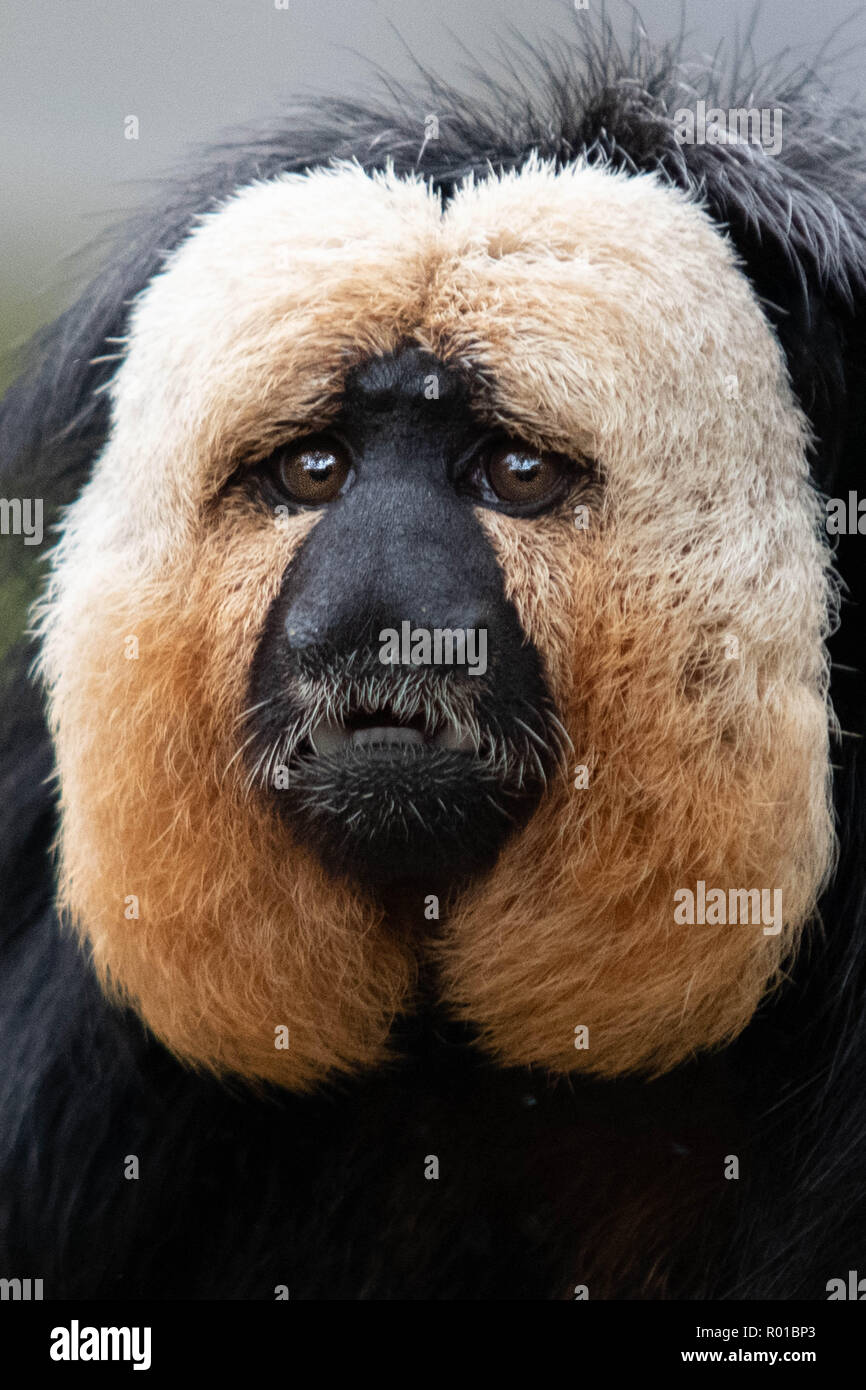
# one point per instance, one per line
(522, 477)
(310, 472)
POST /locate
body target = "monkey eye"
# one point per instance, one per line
(311, 471)
(517, 475)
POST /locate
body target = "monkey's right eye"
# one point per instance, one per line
(310, 471)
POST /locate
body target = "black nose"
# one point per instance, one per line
(358, 574)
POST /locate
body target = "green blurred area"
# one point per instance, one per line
(22, 567)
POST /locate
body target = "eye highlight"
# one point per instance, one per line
(311, 471)
(516, 475)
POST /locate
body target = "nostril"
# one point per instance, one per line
(471, 619)
(474, 619)
(301, 633)
(307, 626)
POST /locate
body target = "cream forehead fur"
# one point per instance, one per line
(611, 295)
(598, 313)
(605, 313)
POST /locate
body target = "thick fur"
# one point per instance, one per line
(704, 767)
(598, 309)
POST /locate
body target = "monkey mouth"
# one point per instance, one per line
(409, 778)
(385, 800)
(375, 735)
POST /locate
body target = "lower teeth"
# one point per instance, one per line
(387, 737)
(329, 738)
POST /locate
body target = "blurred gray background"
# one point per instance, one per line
(71, 71)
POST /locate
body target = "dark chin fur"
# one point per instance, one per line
(407, 816)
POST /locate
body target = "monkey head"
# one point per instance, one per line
(547, 414)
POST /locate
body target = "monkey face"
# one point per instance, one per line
(241, 770)
(393, 768)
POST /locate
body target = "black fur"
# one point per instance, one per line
(543, 1185)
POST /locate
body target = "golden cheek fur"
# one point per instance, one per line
(682, 633)
(690, 777)
(237, 934)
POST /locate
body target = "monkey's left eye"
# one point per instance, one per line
(517, 475)
(311, 471)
